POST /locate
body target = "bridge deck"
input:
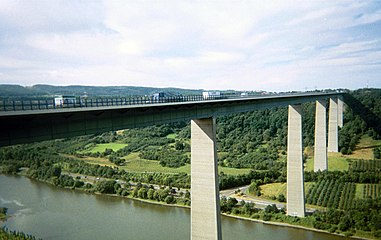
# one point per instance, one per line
(25, 126)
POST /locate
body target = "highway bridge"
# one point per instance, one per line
(25, 125)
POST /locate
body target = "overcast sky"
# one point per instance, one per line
(241, 45)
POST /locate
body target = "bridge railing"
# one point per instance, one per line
(51, 103)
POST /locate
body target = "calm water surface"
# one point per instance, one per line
(53, 213)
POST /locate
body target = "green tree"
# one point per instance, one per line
(156, 196)
(248, 208)
(271, 209)
(179, 146)
(150, 193)
(3, 210)
(169, 199)
(187, 194)
(377, 153)
(281, 198)
(105, 186)
(143, 193)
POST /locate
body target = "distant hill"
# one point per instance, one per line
(40, 90)
(17, 90)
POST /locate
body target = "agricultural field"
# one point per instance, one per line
(332, 194)
(327, 193)
(103, 146)
(365, 165)
(370, 190)
(135, 164)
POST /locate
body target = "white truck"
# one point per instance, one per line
(211, 95)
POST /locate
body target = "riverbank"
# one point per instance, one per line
(282, 224)
(23, 173)
(137, 199)
(3, 214)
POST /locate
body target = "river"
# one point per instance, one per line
(53, 213)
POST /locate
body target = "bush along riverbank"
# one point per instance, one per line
(3, 213)
(7, 234)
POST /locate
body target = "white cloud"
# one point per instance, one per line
(272, 45)
(88, 45)
(368, 18)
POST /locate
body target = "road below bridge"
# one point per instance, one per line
(241, 194)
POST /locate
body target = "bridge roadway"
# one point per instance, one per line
(36, 125)
(28, 126)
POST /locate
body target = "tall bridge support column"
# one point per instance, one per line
(205, 200)
(340, 110)
(295, 174)
(320, 153)
(333, 133)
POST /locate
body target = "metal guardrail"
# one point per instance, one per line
(43, 104)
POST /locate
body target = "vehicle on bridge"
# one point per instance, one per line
(162, 97)
(158, 96)
(211, 95)
(68, 101)
(62, 100)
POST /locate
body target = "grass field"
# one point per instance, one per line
(135, 164)
(100, 161)
(336, 161)
(274, 189)
(172, 135)
(102, 147)
(233, 171)
(364, 150)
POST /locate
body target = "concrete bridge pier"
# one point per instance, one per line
(205, 200)
(320, 153)
(295, 174)
(340, 110)
(333, 133)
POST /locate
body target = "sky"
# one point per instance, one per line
(240, 45)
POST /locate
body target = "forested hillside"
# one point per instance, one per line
(17, 91)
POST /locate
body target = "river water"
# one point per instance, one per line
(52, 213)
